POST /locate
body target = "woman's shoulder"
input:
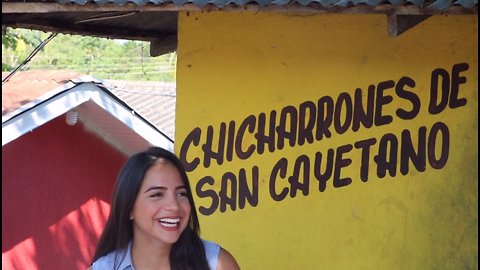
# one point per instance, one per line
(218, 257)
(209, 245)
(117, 259)
(226, 261)
(212, 251)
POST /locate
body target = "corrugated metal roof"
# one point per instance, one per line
(435, 4)
(26, 86)
(153, 100)
(156, 21)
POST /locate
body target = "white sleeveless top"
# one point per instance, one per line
(122, 259)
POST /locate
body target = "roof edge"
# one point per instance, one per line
(17, 125)
(313, 7)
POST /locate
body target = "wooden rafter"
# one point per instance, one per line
(42, 7)
(398, 24)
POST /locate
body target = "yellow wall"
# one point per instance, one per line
(236, 66)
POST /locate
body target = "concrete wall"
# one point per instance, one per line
(319, 142)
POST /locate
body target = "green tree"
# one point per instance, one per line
(19, 42)
(98, 57)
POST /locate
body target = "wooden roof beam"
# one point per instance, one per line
(398, 24)
(164, 45)
(47, 7)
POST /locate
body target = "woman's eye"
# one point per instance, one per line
(182, 194)
(156, 195)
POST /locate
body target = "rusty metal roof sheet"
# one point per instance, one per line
(154, 101)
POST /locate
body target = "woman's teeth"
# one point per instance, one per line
(169, 222)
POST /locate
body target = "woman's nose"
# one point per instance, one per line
(172, 203)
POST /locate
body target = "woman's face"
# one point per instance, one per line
(161, 211)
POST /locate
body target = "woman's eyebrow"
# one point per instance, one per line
(163, 188)
(155, 188)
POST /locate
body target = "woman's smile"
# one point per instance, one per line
(163, 200)
(170, 223)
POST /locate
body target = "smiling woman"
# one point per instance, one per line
(153, 223)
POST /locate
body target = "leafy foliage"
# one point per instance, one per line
(18, 41)
(99, 57)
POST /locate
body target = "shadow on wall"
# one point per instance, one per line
(56, 187)
(77, 229)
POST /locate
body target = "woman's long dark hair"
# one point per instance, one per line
(188, 252)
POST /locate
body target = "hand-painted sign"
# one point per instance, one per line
(316, 141)
(312, 122)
